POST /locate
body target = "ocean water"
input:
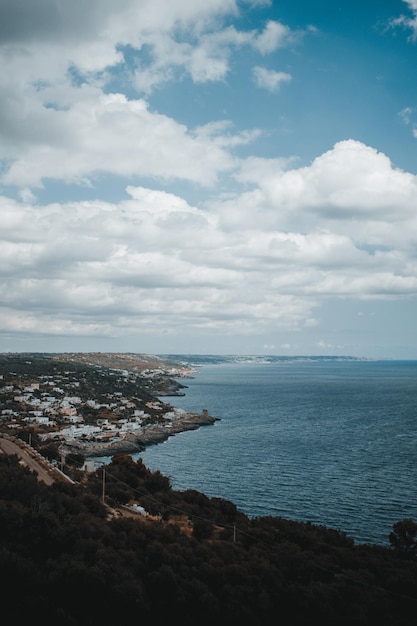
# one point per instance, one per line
(333, 442)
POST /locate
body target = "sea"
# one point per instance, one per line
(331, 441)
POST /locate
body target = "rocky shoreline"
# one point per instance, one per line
(136, 441)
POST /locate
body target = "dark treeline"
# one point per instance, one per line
(68, 556)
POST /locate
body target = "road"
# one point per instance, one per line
(29, 457)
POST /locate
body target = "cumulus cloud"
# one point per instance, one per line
(153, 261)
(59, 118)
(275, 35)
(146, 263)
(109, 133)
(351, 189)
(207, 56)
(259, 259)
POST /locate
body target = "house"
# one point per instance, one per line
(89, 466)
(68, 410)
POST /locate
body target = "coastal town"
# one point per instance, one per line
(93, 404)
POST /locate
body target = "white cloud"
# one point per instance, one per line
(153, 262)
(150, 262)
(109, 133)
(259, 259)
(270, 79)
(57, 117)
(275, 35)
(407, 22)
(206, 57)
(351, 190)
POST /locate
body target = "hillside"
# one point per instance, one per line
(81, 554)
(118, 360)
(120, 543)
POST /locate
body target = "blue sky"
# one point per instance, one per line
(209, 177)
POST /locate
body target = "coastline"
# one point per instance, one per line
(138, 440)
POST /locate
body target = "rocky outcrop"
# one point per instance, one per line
(159, 432)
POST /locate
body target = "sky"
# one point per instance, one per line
(209, 177)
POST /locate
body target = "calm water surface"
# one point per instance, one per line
(333, 443)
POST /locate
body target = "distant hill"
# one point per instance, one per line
(118, 360)
(216, 359)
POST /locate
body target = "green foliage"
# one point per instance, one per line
(202, 529)
(65, 558)
(403, 537)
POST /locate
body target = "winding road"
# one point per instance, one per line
(46, 472)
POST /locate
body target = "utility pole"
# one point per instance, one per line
(104, 483)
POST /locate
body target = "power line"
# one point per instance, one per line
(233, 527)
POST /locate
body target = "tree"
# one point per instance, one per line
(403, 537)
(202, 529)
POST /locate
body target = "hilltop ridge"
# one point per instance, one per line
(119, 360)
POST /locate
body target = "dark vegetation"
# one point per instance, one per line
(74, 555)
